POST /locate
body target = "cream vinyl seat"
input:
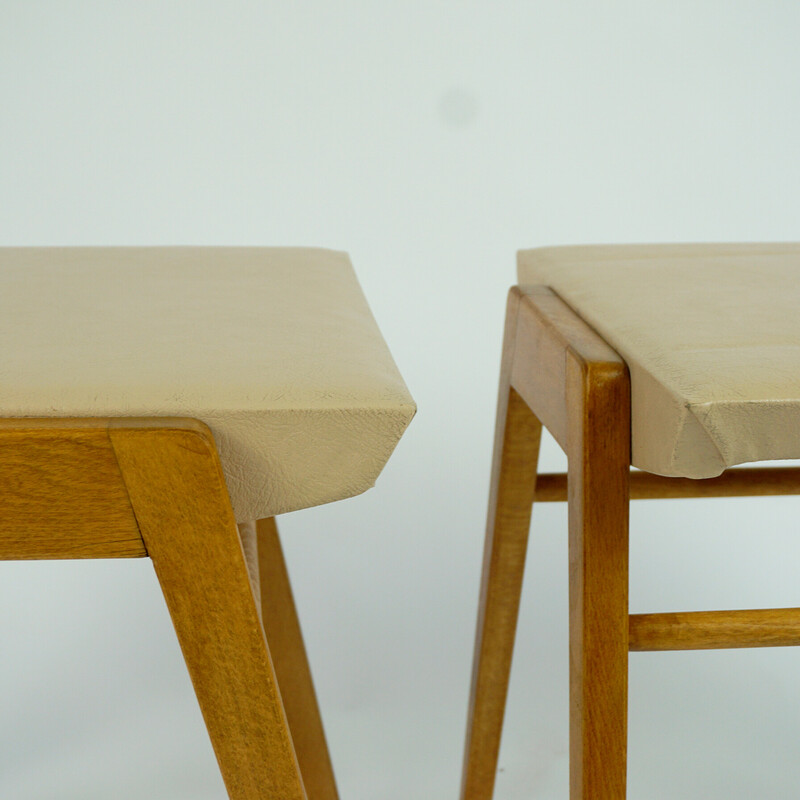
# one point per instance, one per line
(711, 336)
(681, 360)
(274, 348)
(153, 398)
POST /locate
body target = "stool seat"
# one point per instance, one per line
(711, 336)
(275, 349)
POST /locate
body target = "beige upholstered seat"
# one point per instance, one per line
(711, 335)
(274, 348)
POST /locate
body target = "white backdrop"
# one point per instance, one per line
(430, 140)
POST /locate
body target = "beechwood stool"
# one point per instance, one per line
(681, 360)
(153, 398)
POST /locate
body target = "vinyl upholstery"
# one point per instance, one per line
(711, 335)
(274, 348)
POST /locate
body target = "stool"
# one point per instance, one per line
(680, 360)
(151, 398)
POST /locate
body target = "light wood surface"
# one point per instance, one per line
(546, 329)
(289, 659)
(99, 488)
(711, 630)
(537, 370)
(563, 375)
(517, 437)
(178, 493)
(504, 566)
(62, 493)
(738, 482)
(598, 400)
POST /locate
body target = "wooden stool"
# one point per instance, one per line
(151, 398)
(681, 360)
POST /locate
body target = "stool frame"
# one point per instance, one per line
(128, 487)
(558, 372)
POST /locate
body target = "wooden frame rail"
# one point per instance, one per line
(712, 630)
(551, 487)
(62, 491)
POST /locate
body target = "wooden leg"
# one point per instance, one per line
(289, 658)
(598, 398)
(181, 504)
(511, 499)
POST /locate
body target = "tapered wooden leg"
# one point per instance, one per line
(180, 500)
(289, 658)
(598, 399)
(513, 487)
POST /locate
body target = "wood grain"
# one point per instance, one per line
(598, 402)
(517, 437)
(737, 482)
(711, 630)
(178, 493)
(561, 374)
(546, 328)
(62, 493)
(290, 661)
(571, 381)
